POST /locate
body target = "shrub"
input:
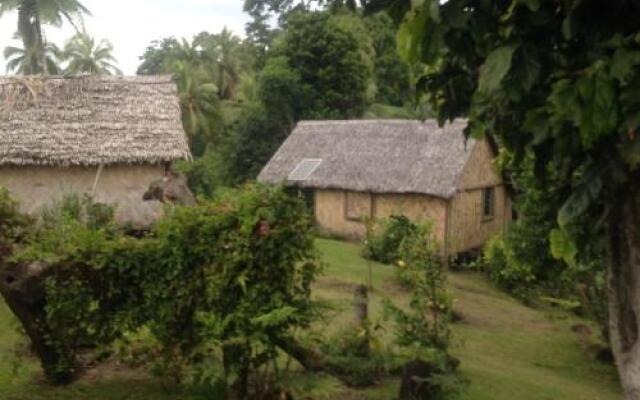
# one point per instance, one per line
(384, 237)
(505, 269)
(520, 262)
(228, 279)
(346, 359)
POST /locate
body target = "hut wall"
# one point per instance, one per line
(331, 215)
(120, 185)
(416, 207)
(335, 218)
(468, 226)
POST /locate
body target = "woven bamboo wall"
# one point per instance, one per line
(468, 228)
(332, 217)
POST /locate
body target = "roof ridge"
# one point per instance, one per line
(129, 79)
(398, 121)
(360, 121)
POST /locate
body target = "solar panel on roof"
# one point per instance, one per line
(304, 169)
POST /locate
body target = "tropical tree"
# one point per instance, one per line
(32, 15)
(259, 35)
(22, 61)
(86, 56)
(161, 55)
(201, 113)
(559, 81)
(225, 50)
(207, 69)
(392, 75)
(333, 58)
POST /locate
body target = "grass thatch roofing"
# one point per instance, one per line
(90, 121)
(383, 156)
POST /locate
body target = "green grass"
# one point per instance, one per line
(508, 351)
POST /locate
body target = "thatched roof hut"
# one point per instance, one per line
(90, 121)
(376, 168)
(108, 136)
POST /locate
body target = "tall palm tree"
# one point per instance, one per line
(86, 56)
(32, 14)
(201, 112)
(224, 50)
(22, 61)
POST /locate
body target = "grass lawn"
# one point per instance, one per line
(508, 351)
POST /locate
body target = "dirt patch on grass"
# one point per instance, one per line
(334, 284)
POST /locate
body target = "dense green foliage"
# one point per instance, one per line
(521, 260)
(393, 77)
(384, 238)
(331, 54)
(223, 280)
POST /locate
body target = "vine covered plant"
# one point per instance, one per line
(230, 277)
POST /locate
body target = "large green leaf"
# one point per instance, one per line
(630, 152)
(420, 36)
(599, 112)
(562, 247)
(527, 67)
(533, 5)
(495, 68)
(623, 62)
(580, 200)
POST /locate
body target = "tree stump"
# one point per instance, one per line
(415, 383)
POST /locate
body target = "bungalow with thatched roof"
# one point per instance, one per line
(377, 168)
(109, 137)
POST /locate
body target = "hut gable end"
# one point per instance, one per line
(479, 171)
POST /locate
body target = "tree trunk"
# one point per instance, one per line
(22, 286)
(308, 358)
(624, 290)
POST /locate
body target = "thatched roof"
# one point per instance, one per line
(382, 156)
(90, 121)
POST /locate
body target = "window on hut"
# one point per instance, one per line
(358, 206)
(488, 203)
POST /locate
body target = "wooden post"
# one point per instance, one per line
(361, 308)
